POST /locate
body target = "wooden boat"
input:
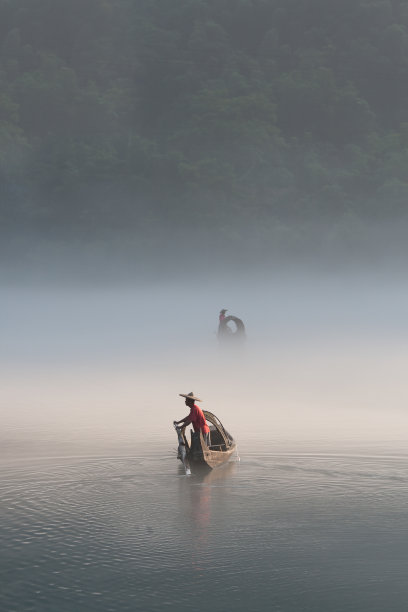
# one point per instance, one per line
(220, 451)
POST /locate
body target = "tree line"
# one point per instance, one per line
(120, 113)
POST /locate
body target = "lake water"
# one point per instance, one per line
(305, 528)
(96, 512)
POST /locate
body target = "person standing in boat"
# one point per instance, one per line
(221, 319)
(195, 417)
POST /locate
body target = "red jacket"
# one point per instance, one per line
(197, 419)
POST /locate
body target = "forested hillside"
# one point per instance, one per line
(121, 113)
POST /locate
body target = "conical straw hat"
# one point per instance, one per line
(190, 396)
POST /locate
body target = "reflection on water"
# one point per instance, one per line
(279, 530)
(196, 493)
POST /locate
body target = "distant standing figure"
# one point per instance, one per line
(228, 333)
(196, 417)
(222, 315)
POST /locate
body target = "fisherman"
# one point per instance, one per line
(196, 417)
(223, 329)
(222, 315)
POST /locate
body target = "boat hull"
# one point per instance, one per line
(200, 454)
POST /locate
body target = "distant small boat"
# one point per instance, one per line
(228, 333)
(197, 453)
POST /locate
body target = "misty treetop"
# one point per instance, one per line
(123, 112)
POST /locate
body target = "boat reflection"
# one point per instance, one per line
(208, 476)
(197, 491)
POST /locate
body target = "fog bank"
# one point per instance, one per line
(324, 359)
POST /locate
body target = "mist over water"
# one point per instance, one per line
(324, 357)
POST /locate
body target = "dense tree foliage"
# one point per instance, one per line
(122, 112)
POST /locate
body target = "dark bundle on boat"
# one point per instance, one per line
(197, 452)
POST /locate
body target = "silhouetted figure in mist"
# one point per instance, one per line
(222, 315)
(225, 332)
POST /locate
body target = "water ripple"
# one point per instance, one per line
(133, 533)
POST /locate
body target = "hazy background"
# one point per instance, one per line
(100, 368)
(160, 161)
(250, 132)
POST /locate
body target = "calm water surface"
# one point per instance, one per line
(301, 528)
